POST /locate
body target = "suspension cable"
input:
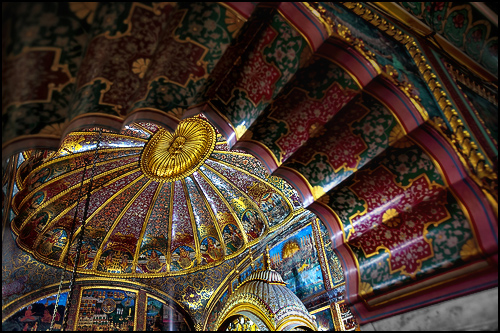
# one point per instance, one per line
(80, 238)
(70, 237)
(65, 258)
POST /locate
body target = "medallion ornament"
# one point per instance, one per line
(108, 306)
(172, 156)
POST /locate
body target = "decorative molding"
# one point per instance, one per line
(472, 84)
(481, 171)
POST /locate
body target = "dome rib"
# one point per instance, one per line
(76, 186)
(257, 178)
(77, 171)
(272, 221)
(211, 212)
(254, 205)
(184, 234)
(74, 204)
(193, 224)
(169, 229)
(144, 225)
(67, 247)
(223, 199)
(144, 129)
(107, 201)
(118, 218)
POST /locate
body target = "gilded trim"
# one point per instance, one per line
(475, 160)
(196, 235)
(119, 217)
(82, 288)
(214, 219)
(143, 229)
(78, 170)
(422, 30)
(226, 203)
(169, 230)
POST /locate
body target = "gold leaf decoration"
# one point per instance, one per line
(140, 66)
(177, 112)
(325, 199)
(317, 192)
(365, 289)
(240, 130)
(54, 129)
(316, 130)
(234, 24)
(398, 138)
(391, 218)
(225, 218)
(289, 249)
(469, 250)
(172, 156)
(84, 9)
(257, 190)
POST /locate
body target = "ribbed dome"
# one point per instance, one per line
(266, 290)
(270, 276)
(162, 203)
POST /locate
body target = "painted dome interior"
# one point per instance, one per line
(141, 222)
(358, 141)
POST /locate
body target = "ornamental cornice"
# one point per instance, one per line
(479, 167)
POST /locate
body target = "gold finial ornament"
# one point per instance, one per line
(172, 156)
(267, 259)
(274, 306)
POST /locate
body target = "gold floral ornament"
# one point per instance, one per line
(469, 250)
(325, 199)
(240, 130)
(172, 156)
(84, 9)
(316, 130)
(234, 23)
(54, 129)
(140, 66)
(365, 289)
(317, 192)
(391, 218)
(177, 112)
(398, 138)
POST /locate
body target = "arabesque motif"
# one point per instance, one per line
(396, 214)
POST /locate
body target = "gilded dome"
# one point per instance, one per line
(162, 203)
(265, 292)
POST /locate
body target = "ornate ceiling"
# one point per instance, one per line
(161, 203)
(387, 138)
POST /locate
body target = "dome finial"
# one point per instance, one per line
(252, 263)
(267, 260)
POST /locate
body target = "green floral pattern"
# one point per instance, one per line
(315, 94)
(268, 66)
(347, 144)
(51, 27)
(446, 237)
(463, 26)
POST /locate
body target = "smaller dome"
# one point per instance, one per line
(270, 276)
(266, 294)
